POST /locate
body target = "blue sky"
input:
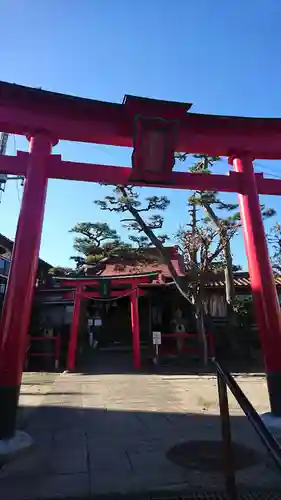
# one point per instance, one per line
(221, 56)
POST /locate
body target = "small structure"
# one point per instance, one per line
(117, 279)
(106, 291)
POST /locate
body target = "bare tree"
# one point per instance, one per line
(202, 248)
(228, 225)
(274, 238)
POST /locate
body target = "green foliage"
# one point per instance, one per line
(95, 237)
(207, 199)
(245, 313)
(97, 242)
(230, 222)
(60, 271)
(126, 200)
(210, 201)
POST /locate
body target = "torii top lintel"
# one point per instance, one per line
(25, 111)
(127, 280)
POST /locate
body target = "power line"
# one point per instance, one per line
(4, 178)
(268, 170)
(18, 191)
(19, 180)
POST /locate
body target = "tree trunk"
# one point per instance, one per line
(199, 316)
(228, 272)
(179, 282)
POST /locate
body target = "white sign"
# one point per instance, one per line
(156, 337)
(98, 322)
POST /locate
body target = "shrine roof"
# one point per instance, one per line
(149, 263)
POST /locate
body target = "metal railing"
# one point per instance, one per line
(225, 380)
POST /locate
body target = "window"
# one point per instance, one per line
(4, 266)
(2, 288)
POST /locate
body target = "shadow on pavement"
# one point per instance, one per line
(81, 451)
(101, 363)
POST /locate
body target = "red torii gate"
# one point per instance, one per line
(130, 283)
(156, 129)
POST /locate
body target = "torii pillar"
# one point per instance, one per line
(134, 298)
(262, 280)
(20, 288)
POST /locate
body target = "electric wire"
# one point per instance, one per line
(17, 180)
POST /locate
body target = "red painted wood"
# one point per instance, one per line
(15, 165)
(57, 169)
(122, 175)
(114, 281)
(113, 293)
(268, 186)
(23, 110)
(55, 354)
(260, 270)
(20, 288)
(135, 329)
(66, 295)
(92, 295)
(72, 345)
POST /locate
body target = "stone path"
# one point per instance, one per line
(34, 387)
(109, 433)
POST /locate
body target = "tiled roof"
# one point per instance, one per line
(240, 280)
(127, 267)
(8, 244)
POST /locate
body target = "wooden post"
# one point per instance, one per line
(135, 328)
(72, 346)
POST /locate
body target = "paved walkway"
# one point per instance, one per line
(110, 433)
(34, 388)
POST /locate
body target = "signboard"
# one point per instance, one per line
(98, 322)
(156, 337)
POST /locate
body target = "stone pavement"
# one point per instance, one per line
(109, 433)
(34, 387)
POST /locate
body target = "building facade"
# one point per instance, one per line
(6, 249)
(161, 307)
